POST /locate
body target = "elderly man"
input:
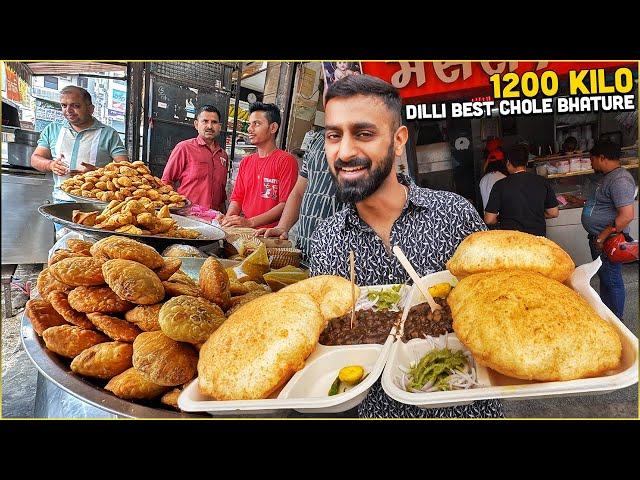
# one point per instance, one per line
(79, 144)
(364, 135)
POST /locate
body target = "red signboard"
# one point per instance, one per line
(420, 81)
(13, 89)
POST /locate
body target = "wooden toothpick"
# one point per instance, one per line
(352, 264)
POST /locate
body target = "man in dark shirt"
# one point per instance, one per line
(523, 200)
(364, 135)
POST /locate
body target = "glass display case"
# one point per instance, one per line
(570, 174)
(570, 177)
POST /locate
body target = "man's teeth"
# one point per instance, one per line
(352, 169)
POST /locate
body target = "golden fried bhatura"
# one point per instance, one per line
(510, 249)
(528, 326)
(259, 347)
(331, 292)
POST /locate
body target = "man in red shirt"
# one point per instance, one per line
(200, 164)
(266, 178)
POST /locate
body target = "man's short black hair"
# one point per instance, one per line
(353, 85)
(518, 155)
(86, 96)
(607, 149)
(271, 111)
(209, 108)
(570, 142)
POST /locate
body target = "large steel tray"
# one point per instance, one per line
(56, 369)
(62, 213)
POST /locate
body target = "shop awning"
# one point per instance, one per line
(71, 67)
(441, 81)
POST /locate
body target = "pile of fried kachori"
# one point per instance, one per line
(513, 314)
(121, 181)
(126, 316)
(135, 217)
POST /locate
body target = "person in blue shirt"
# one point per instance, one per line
(79, 144)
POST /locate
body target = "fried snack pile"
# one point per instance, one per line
(135, 217)
(121, 313)
(122, 181)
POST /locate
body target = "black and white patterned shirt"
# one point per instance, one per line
(430, 228)
(319, 201)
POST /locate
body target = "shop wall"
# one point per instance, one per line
(624, 122)
(536, 130)
(306, 98)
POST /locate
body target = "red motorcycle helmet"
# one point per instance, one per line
(618, 250)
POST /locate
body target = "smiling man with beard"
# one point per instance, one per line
(364, 135)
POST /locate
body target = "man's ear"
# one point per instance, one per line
(400, 139)
(273, 127)
(195, 124)
(92, 107)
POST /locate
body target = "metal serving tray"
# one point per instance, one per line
(62, 213)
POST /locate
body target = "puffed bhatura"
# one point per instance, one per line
(115, 328)
(104, 360)
(509, 249)
(69, 340)
(42, 315)
(259, 347)
(162, 360)
(78, 271)
(170, 266)
(131, 385)
(79, 246)
(190, 319)
(60, 302)
(214, 283)
(133, 281)
(46, 283)
(126, 248)
(97, 299)
(145, 317)
(331, 292)
(527, 326)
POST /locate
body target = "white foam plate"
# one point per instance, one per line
(496, 385)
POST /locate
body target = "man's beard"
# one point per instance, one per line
(357, 190)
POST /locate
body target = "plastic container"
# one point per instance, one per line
(307, 390)
(585, 163)
(496, 385)
(541, 169)
(575, 164)
(563, 166)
